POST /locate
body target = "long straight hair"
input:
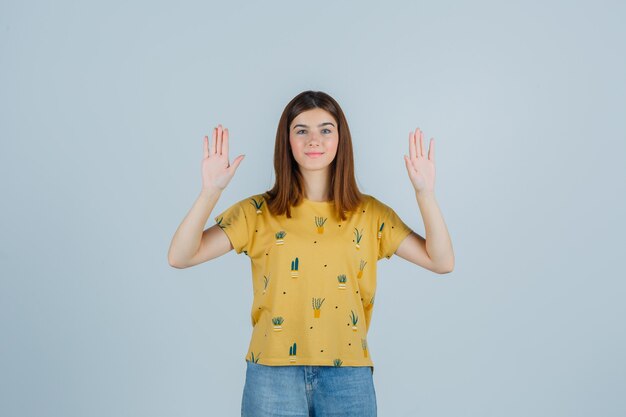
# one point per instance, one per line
(288, 189)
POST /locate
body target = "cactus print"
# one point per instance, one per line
(313, 277)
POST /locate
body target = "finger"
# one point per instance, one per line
(219, 139)
(236, 163)
(225, 143)
(408, 163)
(421, 149)
(214, 142)
(431, 149)
(205, 147)
(411, 145)
(417, 143)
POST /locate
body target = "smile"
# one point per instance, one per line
(314, 154)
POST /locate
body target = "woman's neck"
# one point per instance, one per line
(316, 185)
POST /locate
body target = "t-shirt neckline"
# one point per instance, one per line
(317, 203)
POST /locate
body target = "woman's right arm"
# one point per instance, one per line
(191, 245)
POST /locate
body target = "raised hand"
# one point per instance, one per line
(216, 170)
(421, 169)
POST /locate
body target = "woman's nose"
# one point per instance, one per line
(314, 138)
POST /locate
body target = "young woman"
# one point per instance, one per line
(313, 241)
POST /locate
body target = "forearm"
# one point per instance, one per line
(438, 243)
(186, 240)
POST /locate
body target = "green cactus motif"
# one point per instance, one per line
(337, 362)
(292, 352)
(317, 304)
(253, 359)
(257, 205)
(280, 236)
(359, 274)
(364, 346)
(220, 224)
(319, 222)
(354, 318)
(370, 305)
(380, 231)
(278, 321)
(342, 281)
(358, 237)
(266, 281)
(294, 268)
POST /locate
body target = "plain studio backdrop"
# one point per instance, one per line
(103, 109)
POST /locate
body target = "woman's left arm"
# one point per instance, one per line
(437, 245)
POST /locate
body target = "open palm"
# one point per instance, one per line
(421, 169)
(216, 169)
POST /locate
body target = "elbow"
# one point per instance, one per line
(448, 266)
(446, 269)
(176, 261)
(174, 264)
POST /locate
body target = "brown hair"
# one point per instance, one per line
(288, 189)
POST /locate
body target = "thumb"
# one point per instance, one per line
(408, 164)
(236, 163)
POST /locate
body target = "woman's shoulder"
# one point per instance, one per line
(370, 201)
(374, 204)
(253, 202)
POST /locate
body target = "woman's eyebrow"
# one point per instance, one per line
(320, 125)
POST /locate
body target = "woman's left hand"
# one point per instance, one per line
(421, 169)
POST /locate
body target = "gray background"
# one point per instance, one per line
(103, 110)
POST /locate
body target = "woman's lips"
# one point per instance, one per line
(314, 154)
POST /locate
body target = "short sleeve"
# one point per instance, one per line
(234, 222)
(391, 230)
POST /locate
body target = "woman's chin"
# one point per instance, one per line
(314, 167)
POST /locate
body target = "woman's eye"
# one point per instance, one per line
(302, 130)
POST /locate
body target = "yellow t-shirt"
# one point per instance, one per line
(314, 279)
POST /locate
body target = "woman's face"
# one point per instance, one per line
(314, 136)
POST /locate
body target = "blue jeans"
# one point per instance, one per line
(308, 391)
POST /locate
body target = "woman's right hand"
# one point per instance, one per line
(216, 170)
